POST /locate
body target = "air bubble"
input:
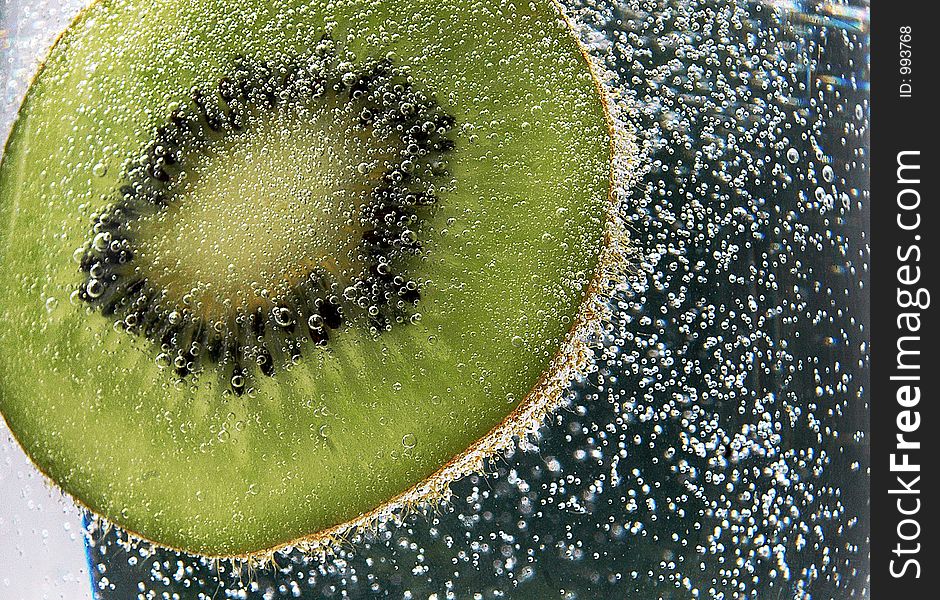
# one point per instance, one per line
(283, 317)
(94, 288)
(101, 241)
(163, 360)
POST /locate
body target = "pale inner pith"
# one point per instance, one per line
(256, 211)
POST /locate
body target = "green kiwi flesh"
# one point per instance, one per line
(344, 425)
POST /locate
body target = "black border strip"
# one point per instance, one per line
(904, 230)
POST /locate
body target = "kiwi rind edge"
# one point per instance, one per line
(616, 263)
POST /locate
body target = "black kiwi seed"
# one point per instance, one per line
(267, 338)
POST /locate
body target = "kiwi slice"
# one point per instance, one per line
(272, 271)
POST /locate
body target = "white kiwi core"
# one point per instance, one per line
(257, 210)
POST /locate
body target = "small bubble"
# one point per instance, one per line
(283, 317)
(94, 288)
(163, 360)
(78, 255)
(101, 241)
